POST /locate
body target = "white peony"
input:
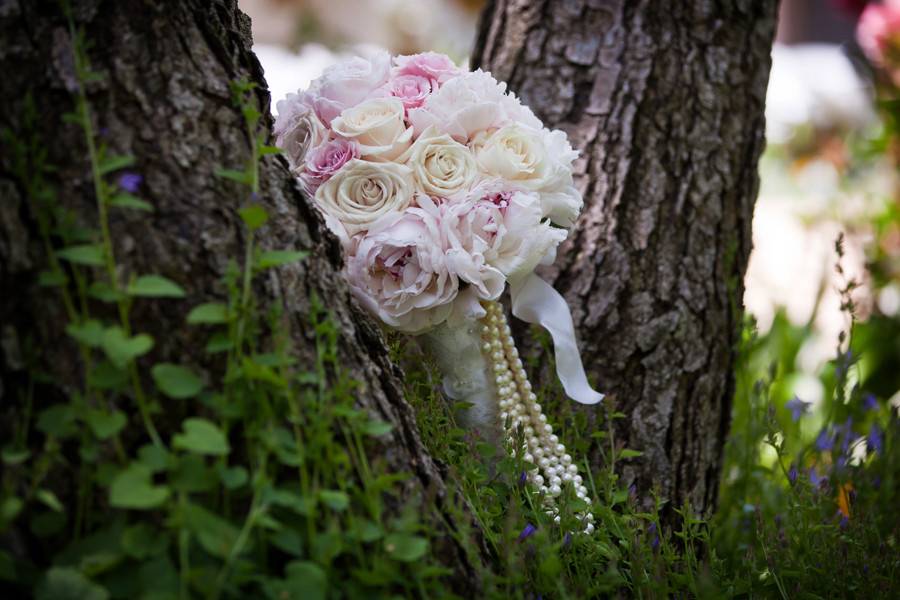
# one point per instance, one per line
(508, 224)
(362, 192)
(377, 126)
(442, 166)
(399, 272)
(534, 159)
(470, 103)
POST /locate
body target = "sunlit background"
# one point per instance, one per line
(825, 170)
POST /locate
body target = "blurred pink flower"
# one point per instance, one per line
(427, 64)
(878, 31)
(325, 160)
(412, 89)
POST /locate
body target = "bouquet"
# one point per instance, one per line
(444, 191)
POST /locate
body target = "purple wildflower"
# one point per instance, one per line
(846, 434)
(567, 540)
(841, 462)
(870, 402)
(792, 474)
(875, 439)
(825, 440)
(130, 182)
(845, 522)
(651, 530)
(523, 478)
(815, 479)
(797, 407)
(527, 532)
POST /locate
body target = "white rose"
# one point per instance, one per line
(537, 160)
(442, 166)
(297, 130)
(377, 126)
(361, 192)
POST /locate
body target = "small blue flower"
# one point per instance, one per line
(567, 540)
(845, 432)
(523, 478)
(792, 474)
(797, 407)
(527, 532)
(845, 522)
(825, 440)
(870, 402)
(875, 440)
(130, 182)
(651, 529)
(815, 479)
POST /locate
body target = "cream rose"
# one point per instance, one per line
(361, 192)
(377, 126)
(537, 160)
(442, 166)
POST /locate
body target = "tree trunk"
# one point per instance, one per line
(164, 99)
(665, 102)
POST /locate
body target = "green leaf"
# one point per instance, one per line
(66, 583)
(104, 292)
(303, 579)
(218, 342)
(133, 488)
(15, 456)
(49, 499)
(334, 499)
(627, 453)
(114, 163)
(51, 279)
(405, 547)
(232, 477)
(106, 376)
(377, 428)
(126, 200)
(105, 424)
(215, 534)
(239, 176)
(210, 313)
(141, 540)
(57, 420)
(302, 505)
(264, 150)
(289, 541)
(83, 254)
(153, 457)
(176, 381)
(201, 436)
(90, 333)
(276, 258)
(121, 349)
(9, 510)
(155, 286)
(254, 216)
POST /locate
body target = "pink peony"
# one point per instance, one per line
(430, 65)
(412, 90)
(348, 83)
(399, 271)
(468, 104)
(325, 160)
(878, 31)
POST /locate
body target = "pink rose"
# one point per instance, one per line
(879, 30)
(325, 160)
(431, 65)
(411, 89)
(400, 274)
(348, 83)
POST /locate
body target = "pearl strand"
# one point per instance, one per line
(519, 407)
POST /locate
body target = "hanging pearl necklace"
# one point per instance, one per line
(519, 407)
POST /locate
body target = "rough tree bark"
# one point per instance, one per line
(164, 98)
(665, 102)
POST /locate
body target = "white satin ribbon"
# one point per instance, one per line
(535, 301)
